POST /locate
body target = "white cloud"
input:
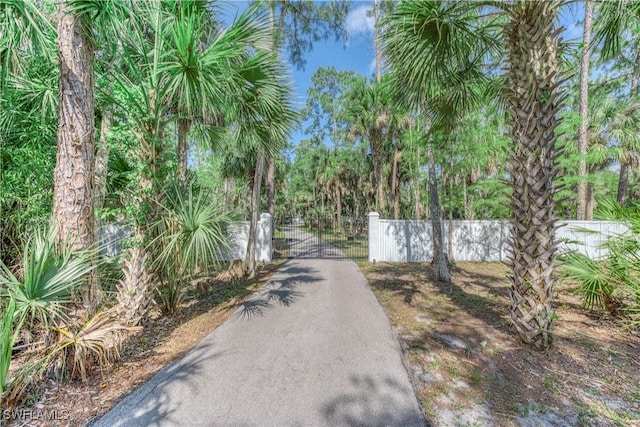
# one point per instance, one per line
(359, 21)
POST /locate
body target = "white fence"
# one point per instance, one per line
(411, 241)
(112, 235)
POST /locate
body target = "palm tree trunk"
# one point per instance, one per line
(590, 202)
(623, 184)
(533, 103)
(376, 152)
(584, 110)
(376, 39)
(73, 201)
(270, 185)
(183, 148)
(395, 185)
(250, 258)
(440, 266)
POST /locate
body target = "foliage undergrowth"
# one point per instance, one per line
(612, 282)
(194, 239)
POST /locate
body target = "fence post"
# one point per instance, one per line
(264, 234)
(374, 236)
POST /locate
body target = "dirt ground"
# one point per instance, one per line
(163, 340)
(469, 370)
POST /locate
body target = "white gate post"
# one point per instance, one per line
(374, 236)
(264, 233)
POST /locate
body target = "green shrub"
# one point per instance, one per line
(49, 278)
(612, 282)
(194, 239)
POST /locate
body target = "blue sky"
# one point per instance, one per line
(358, 54)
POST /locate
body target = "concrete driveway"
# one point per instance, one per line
(312, 348)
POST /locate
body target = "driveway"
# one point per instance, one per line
(312, 348)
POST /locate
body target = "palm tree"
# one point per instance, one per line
(616, 19)
(154, 78)
(262, 120)
(456, 38)
(440, 81)
(367, 109)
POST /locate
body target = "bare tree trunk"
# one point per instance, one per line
(590, 202)
(250, 258)
(339, 207)
(584, 111)
(102, 162)
(395, 182)
(73, 201)
(417, 211)
(270, 185)
(183, 148)
(623, 184)
(440, 266)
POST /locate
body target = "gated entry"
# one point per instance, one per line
(325, 238)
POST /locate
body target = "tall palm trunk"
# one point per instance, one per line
(183, 148)
(375, 137)
(250, 257)
(270, 184)
(270, 181)
(623, 183)
(73, 202)
(584, 110)
(376, 39)
(395, 182)
(590, 202)
(534, 100)
(135, 290)
(440, 266)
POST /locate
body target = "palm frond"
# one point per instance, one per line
(49, 278)
(594, 286)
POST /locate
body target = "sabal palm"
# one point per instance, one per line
(367, 109)
(158, 85)
(616, 21)
(453, 40)
(264, 119)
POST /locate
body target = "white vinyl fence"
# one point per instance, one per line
(113, 234)
(411, 241)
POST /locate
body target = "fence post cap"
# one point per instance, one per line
(265, 215)
(374, 214)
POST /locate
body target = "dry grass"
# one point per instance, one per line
(468, 369)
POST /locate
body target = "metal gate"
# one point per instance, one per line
(323, 238)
